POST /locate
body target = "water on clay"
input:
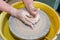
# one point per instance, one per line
(40, 29)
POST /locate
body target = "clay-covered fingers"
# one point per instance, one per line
(33, 12)
(36, 14)
(22, 16)
(28, 22)
(35, 19)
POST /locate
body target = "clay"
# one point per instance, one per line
(21, 30)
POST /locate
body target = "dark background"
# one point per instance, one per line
(58, 9)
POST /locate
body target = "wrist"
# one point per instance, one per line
(13, 11)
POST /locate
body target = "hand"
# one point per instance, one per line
(33, 11)
(29, 17)
(22, 15)
(36, 18)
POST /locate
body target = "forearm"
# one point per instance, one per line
(6, 7)
(28, 4)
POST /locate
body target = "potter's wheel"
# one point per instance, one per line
(23, 31)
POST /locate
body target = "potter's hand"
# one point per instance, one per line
(27, 18)
(32, 10)
(36, 18)
(30, 7)
(22, 15)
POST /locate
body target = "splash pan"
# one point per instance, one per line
(52, 14)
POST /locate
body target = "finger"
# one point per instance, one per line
(32, 20)
(33, 12)
(28, 19)
(35, 19)
(28, 23)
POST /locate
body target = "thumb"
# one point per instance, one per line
(34, 12)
